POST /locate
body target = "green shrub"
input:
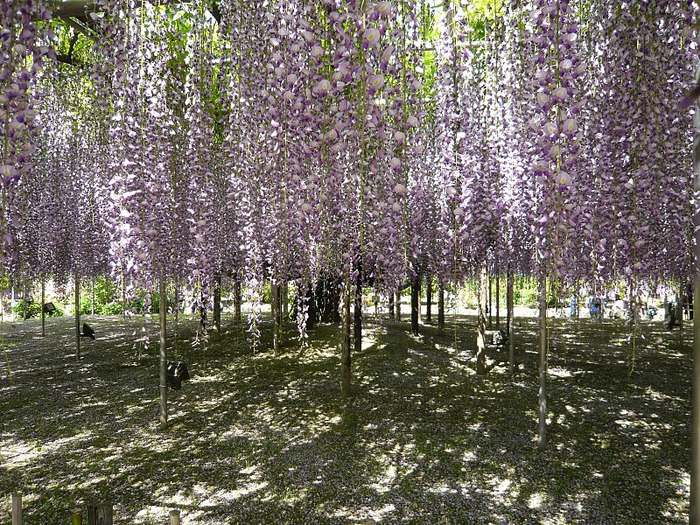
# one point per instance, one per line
(113, 308)
(27, 309)
(33, 309)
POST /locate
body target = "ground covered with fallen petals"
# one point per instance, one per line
(265, 439)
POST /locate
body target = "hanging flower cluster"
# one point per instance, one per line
(555, 126)
(355, 139)
(22, 53)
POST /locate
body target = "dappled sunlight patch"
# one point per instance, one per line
(385, 479)
(16, 454)
(559, 372)
(151, 513)
(536, 500)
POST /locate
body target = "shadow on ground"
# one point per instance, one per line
(258, 439)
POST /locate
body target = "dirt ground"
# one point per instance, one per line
(259, 438)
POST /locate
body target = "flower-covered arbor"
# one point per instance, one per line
(374, 142)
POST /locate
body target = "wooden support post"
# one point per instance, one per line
(123, 295)
(237, 300)
(174, 517)
(441, 308)
(217, 305)
(346, 344)
(76, 517)
(17, 509)
(392, 314)
(357, 312)
(428, 298)
(43, 314)
(489, 308)
(25, 303)
(77, 315)
(100, 514)
(542, 394)
(509, 323)
(275, 311)
(498, 300)
(163, 378)
(695, 410)
(285, 301)
(484, 282)
(680, 304)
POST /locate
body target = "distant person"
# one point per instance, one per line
(573, 307)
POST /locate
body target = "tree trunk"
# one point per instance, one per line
(441, 308)
(345, 344)
(174, 517)
(415, 303)
(357, 329)
(542, 438)
(312, 312)
(237, 300)
(509, 324)
(77, 315)
(428, 298)
(481, 323)
(76, 517)
(163, 356)
(398, 304)
(92, 297)
(217, 305)
(100, 514)
(392, 313)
